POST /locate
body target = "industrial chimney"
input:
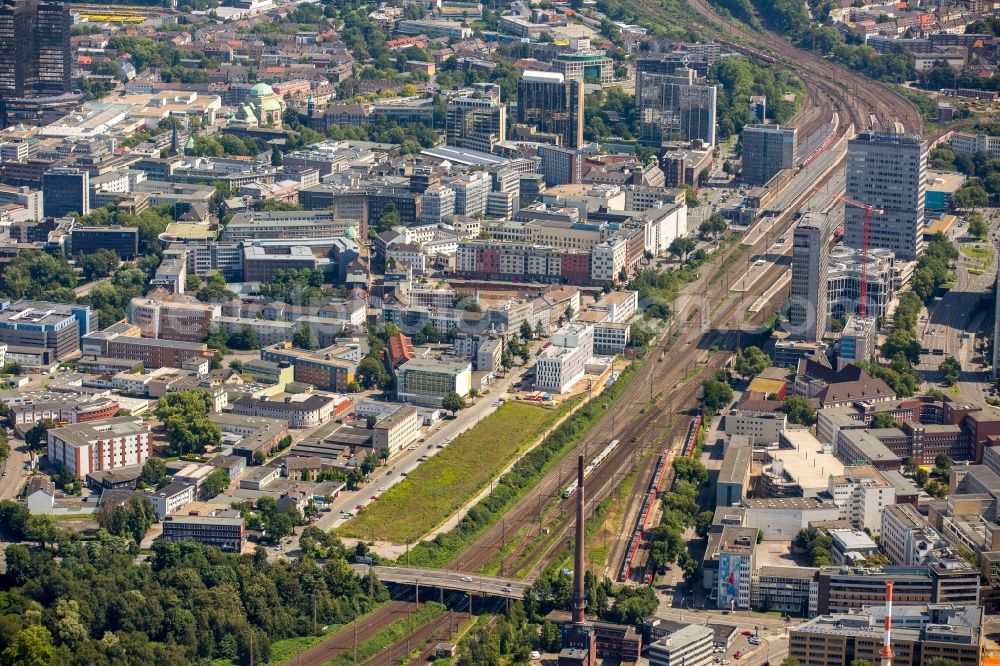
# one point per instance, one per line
(886, 653)
(579, 595)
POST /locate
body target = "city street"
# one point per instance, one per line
(948, 319)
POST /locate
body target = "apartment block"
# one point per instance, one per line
(100, 445)
(187, 320)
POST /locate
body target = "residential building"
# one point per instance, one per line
(906, 538)
(171, 498)
(563, 363)
(477, 121)
(124, 441)
(787, 589)
(560, 165)
(65, 190)
(123, 341)
(552, 104)
(426, 381)
(759, 428)
(398, 430)
(767, 149)
(736, 567)
(691, 645)
(471, 193)
(858, 340)
(300, 411)
(28, 409)
(185, 319)
(863, 496)
(674, 106)
(888, 172)
(921, 634)
(329, 369)
(209, 526)
(810, 261)
(40, 495)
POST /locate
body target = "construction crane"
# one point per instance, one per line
(869, 209)
(886, 652)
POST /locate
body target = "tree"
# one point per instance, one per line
(718, 394)
(154, 472)
(192, 283)
(304, 339)
(751, 361)
(453, 402)
(216, 290)
(214, 484)
(921, 476)
(690, 469)
(978, 227)
(184, 415)
(943, 462)
(131, 519)
(372, 373)
(799, 410)
(98, 264)
(370, 422)
(526, 331)
(703, 523)
(681, 246)
(950, 370)
(37, 435)
(884, 420)
(789, 661)
(244, 339)
(32, 646)
(713, 226)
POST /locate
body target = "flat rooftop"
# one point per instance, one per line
(809, 462)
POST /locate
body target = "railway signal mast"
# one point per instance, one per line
(869, 209)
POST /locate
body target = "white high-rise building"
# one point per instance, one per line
(889, 172)
(471, 193)
(810, 263)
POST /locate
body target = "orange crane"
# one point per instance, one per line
(869, 209)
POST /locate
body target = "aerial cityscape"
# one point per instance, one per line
(541, 333)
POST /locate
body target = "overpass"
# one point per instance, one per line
(448, 581)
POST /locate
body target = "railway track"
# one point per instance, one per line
(858, 98)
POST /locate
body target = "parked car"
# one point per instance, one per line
(534, 655)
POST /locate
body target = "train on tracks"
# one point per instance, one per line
(747, 51)
(589, 469)
(642, 521)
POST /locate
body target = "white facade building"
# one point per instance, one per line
(562, 364)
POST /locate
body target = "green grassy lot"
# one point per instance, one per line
(977, 252)
(441, 485)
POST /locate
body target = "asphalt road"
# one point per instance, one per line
(958, 312)
(14, 473)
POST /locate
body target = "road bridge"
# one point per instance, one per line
(448, 581)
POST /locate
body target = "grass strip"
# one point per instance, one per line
(442, 485)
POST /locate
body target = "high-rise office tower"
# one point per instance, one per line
(55, 64)
(65, 190)
(767, 149)
(553, 105)
(810, 263)
(888, 171)
(674, 107)
(34, 48)
(479, 121)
